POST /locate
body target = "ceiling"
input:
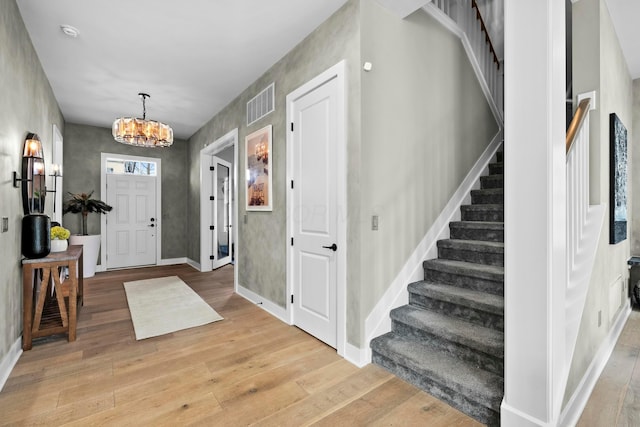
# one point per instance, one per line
(624, 14)
(192, 60)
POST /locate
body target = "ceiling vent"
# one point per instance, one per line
(261, 105)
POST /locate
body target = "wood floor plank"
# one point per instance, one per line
(249, 368)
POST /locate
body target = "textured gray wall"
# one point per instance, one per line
(83, 146)
(598, 64)
(27, 104)
(425, 122)
(634, 168)
(261, 242)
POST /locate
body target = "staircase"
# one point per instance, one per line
(449, 339)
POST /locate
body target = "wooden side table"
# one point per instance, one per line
(49, 318)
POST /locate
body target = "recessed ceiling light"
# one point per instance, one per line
(69, 30)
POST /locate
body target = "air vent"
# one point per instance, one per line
(261, 105)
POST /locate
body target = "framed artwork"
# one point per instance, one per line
(258, 173)
(617, 180)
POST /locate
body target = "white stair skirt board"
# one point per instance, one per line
(378, 322)
(166, 304)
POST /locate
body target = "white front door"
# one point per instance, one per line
(314, 193)
(132, 225)
(221, 235)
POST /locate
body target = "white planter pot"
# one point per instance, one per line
(59, 245)
(91, 247)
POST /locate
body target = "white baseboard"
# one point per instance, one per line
(358, 356)
(9, 361)
(193, 264)
(378, 321)
(173, 261)
(268, 306)
(572, 411)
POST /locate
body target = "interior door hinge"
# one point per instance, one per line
(292, 241)
(212, 198)
(291, 126)
(212, 257)
(212, 227)
(212, 168)
(292, 184)
(291, 298)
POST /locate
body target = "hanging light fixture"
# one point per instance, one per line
(142, 132)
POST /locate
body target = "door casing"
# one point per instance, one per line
(103, 191)
(337, 72)
(228, 140)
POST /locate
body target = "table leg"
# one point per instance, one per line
(73, 309)
(44, 288)
(27, 306)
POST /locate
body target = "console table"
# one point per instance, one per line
(51, 315)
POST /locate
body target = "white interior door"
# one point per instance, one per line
(221, 210)
(132, 225)
(315, 214)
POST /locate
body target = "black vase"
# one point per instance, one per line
(36, 239)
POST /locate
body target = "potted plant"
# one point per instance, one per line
(83, 204)
(59, 236)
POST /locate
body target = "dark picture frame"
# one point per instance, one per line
(617, 180)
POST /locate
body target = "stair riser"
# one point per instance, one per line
(482, 360)
(494, 215)
(477, 257)
(496, 168)
(479, 411)
(470, 314)
(491, 181)
(500, 156)
(468, 282)
(485, 235)
(487, 199)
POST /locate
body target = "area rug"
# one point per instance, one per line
(164, 305)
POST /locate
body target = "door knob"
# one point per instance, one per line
(153, 219)
(333, 247)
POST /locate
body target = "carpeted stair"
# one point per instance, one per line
(449, 340)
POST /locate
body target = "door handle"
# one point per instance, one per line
(152, 225)
(153, 219)
(333, 247)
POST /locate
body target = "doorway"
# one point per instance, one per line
(316, 204)
(218, 202)
(132, 186)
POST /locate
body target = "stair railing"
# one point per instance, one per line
(584, 224)
(464, 18)
(577, 148)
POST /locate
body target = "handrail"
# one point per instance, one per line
(474, 5)
(576, 122)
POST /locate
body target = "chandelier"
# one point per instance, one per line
(142, 132)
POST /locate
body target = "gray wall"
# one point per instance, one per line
(27, 104)
(598, 64)
(261, 246)
(634, 165)
(425, 122)
(421, 114)
(83, 146)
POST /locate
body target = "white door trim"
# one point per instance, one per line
(228, 140)
(103, 193)
(337, 72)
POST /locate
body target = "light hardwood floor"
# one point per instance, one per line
(615, 400)
(249, 369)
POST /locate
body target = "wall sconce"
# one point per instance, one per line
(33, 176)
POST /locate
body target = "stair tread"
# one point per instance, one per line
(480, 386)
(464, 268)
(486, 340)
(488, 191)
(482, 245)
(495, 225)
(461, 296)
(485, 207)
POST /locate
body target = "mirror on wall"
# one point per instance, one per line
(33, 176)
